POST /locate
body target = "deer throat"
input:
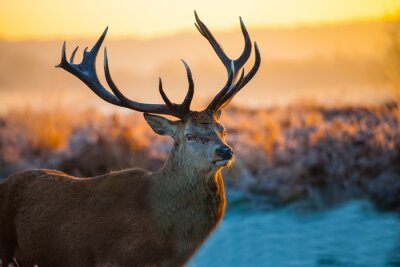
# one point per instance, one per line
(188, 213)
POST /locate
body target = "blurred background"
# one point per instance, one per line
(316, 180)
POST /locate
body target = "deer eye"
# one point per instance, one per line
(205, 139)
(190, 137)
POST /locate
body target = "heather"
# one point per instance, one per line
(305, 152)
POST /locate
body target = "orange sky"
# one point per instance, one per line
(44, 19)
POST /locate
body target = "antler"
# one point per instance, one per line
(86, 72)
(232, 66)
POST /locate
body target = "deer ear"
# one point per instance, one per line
(161, 125)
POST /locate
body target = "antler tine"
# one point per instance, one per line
(184, 107)
(202, 28)
(217, 99)
(232, 91)
(71, 59)
(163, 95)
(254, 69)
(189, 95)
(243, 81)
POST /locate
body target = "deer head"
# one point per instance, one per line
(197, 134)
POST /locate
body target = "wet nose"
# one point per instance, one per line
(225, 152)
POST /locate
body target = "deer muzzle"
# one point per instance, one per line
(225, 152)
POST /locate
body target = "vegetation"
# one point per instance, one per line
(283, 154)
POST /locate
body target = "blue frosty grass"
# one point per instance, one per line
(351, 235)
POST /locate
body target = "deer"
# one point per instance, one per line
(131, 217)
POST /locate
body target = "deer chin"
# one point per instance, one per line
(222, 163)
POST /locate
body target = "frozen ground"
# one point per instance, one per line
(352, 235)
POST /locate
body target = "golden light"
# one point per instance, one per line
(45, 19)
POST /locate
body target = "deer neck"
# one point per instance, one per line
(188, 202)
(182, 179)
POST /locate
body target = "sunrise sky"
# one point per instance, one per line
(48, 19)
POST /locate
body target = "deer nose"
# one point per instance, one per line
(224, 152)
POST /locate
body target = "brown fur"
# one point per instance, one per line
(131, 217)
(126, 218)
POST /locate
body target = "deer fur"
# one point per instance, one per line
(126, 218)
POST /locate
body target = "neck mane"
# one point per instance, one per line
(182, 172)
(188, 202)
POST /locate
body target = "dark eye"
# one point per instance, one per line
(224, 133)
(190, 137)
(205, 139)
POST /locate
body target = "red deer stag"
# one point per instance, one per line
(131, 217)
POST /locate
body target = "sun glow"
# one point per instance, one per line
(44, 19)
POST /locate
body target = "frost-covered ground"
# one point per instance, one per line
(352, 235)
